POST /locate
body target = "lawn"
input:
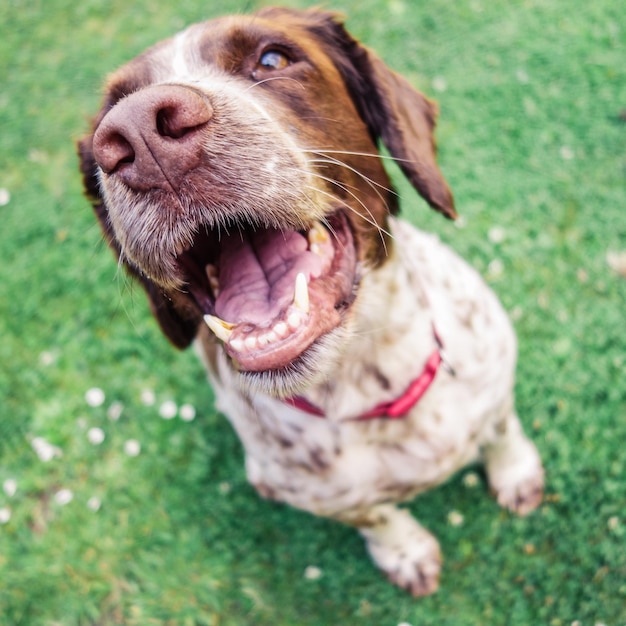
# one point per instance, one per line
(122, 493)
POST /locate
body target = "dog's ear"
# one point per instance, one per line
(178, 324)
(405, 121)
(403, 118)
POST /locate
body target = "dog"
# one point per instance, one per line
(235, 172)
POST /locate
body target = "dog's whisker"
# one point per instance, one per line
(273, 78)
(375, 186)
(330, 161)
(381, 231)
(373, 155)
(371, 220)
(324, 220)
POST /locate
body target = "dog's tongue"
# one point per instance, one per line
(257, 274)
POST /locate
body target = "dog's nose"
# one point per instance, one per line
(153, 137)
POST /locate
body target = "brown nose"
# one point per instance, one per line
(153, 137)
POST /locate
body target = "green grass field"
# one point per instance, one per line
(122, 507)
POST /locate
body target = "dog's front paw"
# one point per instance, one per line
(521, 497)
(517, 484)
(414, 566)
(407, 553)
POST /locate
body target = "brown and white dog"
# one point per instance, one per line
(235, 172)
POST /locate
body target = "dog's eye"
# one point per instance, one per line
(274, 60)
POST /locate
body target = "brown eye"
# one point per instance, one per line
(274, 60)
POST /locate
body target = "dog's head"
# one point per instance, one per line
(234, 170)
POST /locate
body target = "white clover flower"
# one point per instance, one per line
(132, 447)
(5, 515)
(147, 397)
(5, 197)
(187, 412)
(94, 504)
(496, 234)
(495, 268)
(63, 496)
(95, 436)
(45, 450)
(440, 84)
(10, 487)
(47, 358)
(313, 573)
(95, 397)
(35, 155)
(168, 410)
(115, 411)
(460, 222)
(455, 518)
(471, 479)
(616, 261)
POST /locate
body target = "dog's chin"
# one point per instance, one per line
(312, 367)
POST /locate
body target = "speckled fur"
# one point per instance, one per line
(352, 470)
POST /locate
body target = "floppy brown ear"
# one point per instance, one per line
(403, 118)
(405, 121)
(177, 323)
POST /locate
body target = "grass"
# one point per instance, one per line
(532, 143)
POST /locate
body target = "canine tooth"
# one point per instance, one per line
(317, 234)
(221, 329)
(301, 296)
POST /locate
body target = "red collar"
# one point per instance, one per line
(394, 409)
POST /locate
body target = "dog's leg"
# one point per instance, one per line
(514, 467)
(407, 553)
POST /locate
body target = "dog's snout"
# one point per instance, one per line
(153, 137)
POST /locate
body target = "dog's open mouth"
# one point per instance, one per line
(268, 293)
